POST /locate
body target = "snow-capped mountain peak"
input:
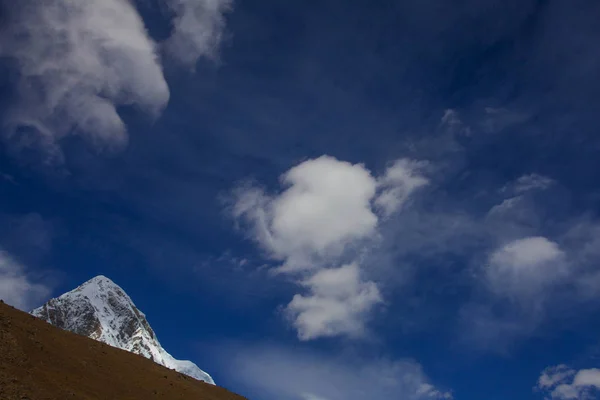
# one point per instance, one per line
(101, 310)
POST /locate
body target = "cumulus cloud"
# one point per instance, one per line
(527, 253)
(278, 373)
(336, 305)
(326, 206)
(525, 265)
(521, 274)
(563, 383)
(197, 29)
(16, 288)
(78, 62)
(518, 278)
(526, 282)
(317, 227)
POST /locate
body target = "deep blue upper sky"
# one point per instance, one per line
(500, 98)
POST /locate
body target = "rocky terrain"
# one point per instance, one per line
(39, 361)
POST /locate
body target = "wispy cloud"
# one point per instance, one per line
(452, 122)
(280, 373)
(563, 383)
(528, 183)
(16, 287)
(498, 119)
(197, 29)
(401, 179)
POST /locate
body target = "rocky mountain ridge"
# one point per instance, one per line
(101, 310)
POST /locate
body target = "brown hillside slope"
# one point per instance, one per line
(41, 362)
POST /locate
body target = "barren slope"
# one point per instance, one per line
(39, 361)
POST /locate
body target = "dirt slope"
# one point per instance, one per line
(41, 362)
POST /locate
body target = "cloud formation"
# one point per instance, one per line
(564, 383)
(453, 124)
(529, 262)
(401, 179)
(525, 266)
(336, 304)
(317, 228)
(78, 62)
(278, 373)
(197, 29)
(16, 288)
(519, 278)
(528, 183)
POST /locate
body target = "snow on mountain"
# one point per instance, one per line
(101, 310)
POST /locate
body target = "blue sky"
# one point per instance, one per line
(317, 200)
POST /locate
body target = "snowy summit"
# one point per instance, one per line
(101, 310)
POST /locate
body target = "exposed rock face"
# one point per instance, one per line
(101, 310)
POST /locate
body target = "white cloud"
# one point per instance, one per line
(336, 305)
(525, 266)
(399, 182)
(16, 288)
(528, 281)
(328, 212)
(516, 290)
(519, 213)
(527, 253)
(528, 183)
(563, 383)
(513, 216)
(326, 205)
(277, 373)
(197, 29)
(77, 62)
(532, 182)
(553, 376)
(506, 207)
(515, 283)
